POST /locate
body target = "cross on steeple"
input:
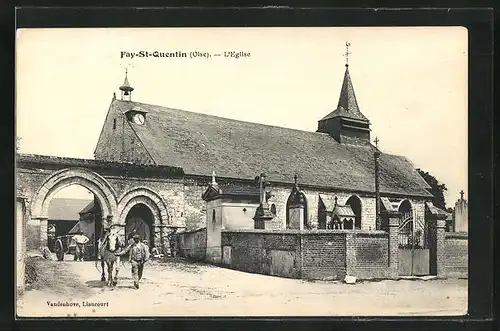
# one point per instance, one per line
(295, 179)
(346, 54)
(461, 194)
(376, 142)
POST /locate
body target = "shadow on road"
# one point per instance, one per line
(99, 284)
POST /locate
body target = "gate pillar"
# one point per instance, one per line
(436, 245)
(394, 219)
(38, 227)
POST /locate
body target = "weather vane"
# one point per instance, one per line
(346, 54)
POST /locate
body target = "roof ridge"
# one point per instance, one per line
(227, 118)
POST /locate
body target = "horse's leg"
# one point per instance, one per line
(103, 275)
(110, 272)
(117, 268)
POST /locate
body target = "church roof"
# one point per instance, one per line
(201, 144)
(348, 105)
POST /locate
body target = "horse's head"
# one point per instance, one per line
(113, 242)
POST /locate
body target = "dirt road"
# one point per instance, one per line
(179, 288)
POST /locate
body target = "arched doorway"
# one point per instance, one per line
(140, 221)
(355, 204)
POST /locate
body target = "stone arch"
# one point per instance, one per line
(357, 207)
(147, 197)
(405, 205)
(95, 183)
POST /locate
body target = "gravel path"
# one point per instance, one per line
(179, 288)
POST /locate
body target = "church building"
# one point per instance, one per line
(330, 173)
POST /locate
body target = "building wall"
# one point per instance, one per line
(129, 148)
(193, 244)
(238, 215)
(456, 255)
(194, 206)
(214, 228)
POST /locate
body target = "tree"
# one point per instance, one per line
(437, 189)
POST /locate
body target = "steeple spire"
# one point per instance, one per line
(347, 99)
(126, 88)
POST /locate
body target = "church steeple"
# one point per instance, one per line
(346, 123)
(126, 89)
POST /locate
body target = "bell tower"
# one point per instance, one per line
(346, 123)
(126, 89)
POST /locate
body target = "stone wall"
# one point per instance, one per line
(314, 254)
(193, 244)
(261, 251)
(456, 255)
(324, 254)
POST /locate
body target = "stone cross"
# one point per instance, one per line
(262, 188)
(346, 54)
(214, 183)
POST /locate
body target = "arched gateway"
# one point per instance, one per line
(102, 190)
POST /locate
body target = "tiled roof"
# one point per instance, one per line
(87, 208)
(343, 211)
(238, 190)
(201, 144)
(348, 105)
(436, 211)
(66, 209)
(388, 205)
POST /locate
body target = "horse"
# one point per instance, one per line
(108, 246)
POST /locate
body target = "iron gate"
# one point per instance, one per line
(413, 246)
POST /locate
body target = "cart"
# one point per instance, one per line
(64, 245)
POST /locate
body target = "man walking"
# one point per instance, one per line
(139, 254)
(80, 240)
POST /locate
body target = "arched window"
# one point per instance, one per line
(273, 209)
(355, 204)
(213, 215)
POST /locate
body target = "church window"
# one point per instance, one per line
(273, 209)
(355, 203)
(213, 215)
(114, 123)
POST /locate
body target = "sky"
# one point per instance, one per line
(410, 82)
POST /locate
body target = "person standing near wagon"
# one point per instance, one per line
(139, 254)
(80, 240)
